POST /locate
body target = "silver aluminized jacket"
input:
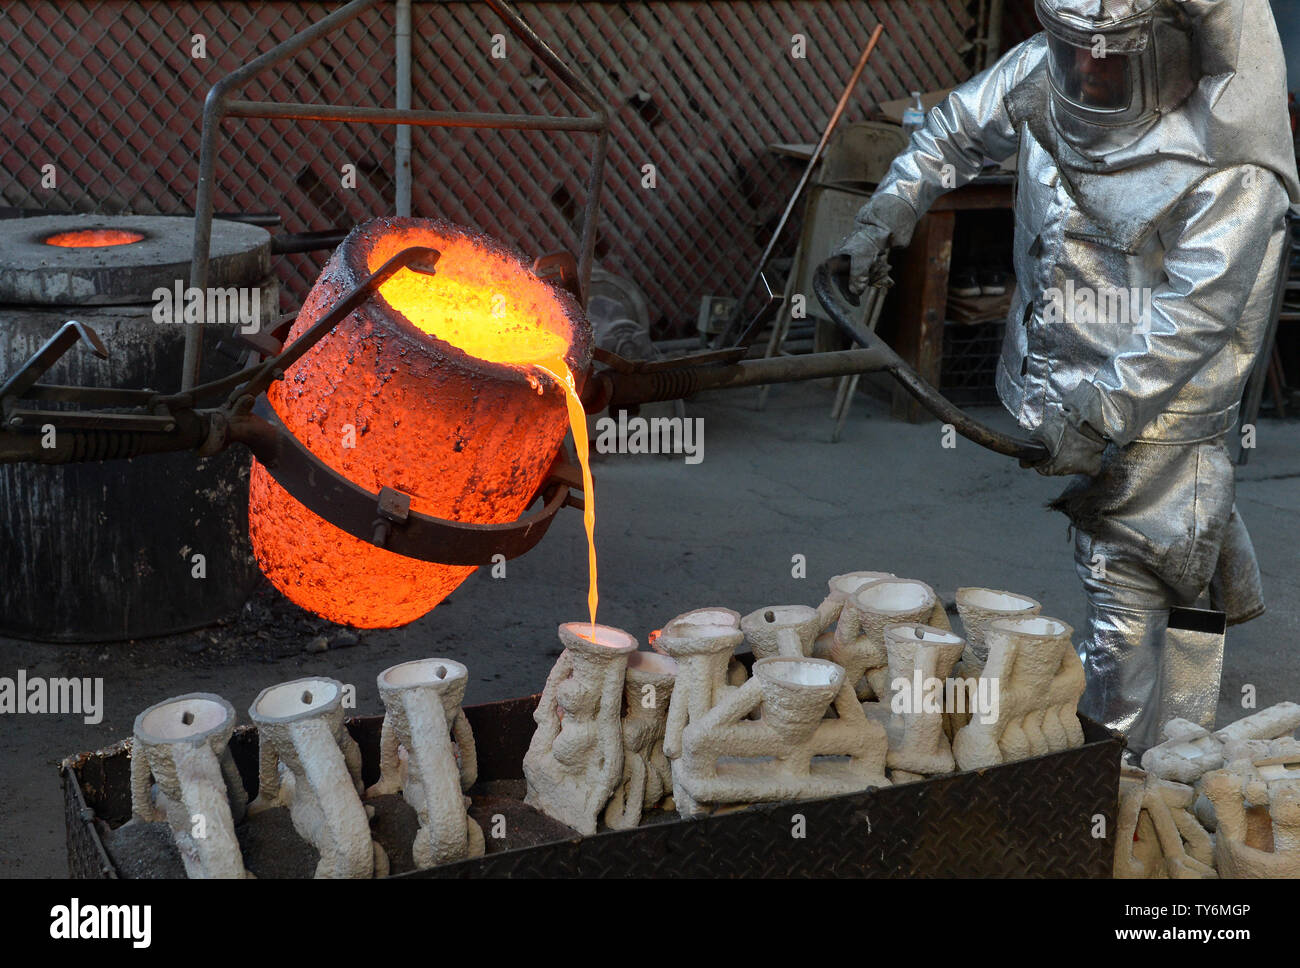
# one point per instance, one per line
(1199, 244)
(1144, 280)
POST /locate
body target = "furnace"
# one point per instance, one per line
(106, 550)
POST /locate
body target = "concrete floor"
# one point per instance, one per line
(671, 537)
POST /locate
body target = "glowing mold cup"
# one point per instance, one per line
(436, 387)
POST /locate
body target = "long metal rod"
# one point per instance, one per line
(287, 111)
(591, 214)
(576, 83)
(628, 389)
(836, 271)
(254, 379)
(993, 38)
(831, 125)
(590, 97)
(402, 64)
(418, 257)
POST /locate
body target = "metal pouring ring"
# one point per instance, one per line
(352, 509)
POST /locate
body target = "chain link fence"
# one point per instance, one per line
(101, 112)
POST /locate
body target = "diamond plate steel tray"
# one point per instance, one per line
(1032, 818)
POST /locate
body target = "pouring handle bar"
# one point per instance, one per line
(830, 283)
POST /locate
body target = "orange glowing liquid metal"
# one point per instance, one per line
(453, 310)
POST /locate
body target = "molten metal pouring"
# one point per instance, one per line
(156, 422)
(454, 310)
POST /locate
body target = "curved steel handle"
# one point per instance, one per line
(830, 283)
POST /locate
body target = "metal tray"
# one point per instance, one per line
(1032, 818)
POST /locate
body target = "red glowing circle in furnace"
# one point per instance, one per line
(93, 238)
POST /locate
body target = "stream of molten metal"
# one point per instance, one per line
(455, 310)
(578, 424)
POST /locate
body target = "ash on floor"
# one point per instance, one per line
(141, 850)
(272, 848)
(498, 806)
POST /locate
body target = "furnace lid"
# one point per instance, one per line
(33, 272)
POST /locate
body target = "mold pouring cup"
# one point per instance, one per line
(309, 763)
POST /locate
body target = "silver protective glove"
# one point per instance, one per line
(1073, 446)
(868, 251)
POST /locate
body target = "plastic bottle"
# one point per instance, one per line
(914, 115)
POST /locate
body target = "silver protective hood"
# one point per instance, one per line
(1185, 84)
(1114, 66)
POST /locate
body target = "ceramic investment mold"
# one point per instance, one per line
(791, 751)
(1188, 750)
(309, 763)
(647, 776)
(1187, 753)
(1207, 801)
(1256, 802)
(922, 657)
(979, 608)
(183, 744)
(423, 719)
(703, 654)
(1156, 833)
(860, 632)
(714, 616)
(838, 590)
(575, 759)
(1039, 679)
(787, 630)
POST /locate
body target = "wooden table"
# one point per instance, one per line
(923, 283)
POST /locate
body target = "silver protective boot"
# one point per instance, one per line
(1156, 529)
(1147, 658)
(1123, 649)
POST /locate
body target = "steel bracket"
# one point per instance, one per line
(386, 519)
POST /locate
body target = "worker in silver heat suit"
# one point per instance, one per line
(1155, 170)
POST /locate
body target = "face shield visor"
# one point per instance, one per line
(1092, 83)
(1102, 64)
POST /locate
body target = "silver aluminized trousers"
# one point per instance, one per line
(1157, 528)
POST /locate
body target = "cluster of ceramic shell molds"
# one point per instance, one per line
(1215, 804)
(816, 718)
(427, 752)
(598, 747)
(309, 764)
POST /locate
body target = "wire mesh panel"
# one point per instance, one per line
(101, 111)
(970, 361)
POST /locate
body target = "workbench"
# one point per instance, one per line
(921, 272)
